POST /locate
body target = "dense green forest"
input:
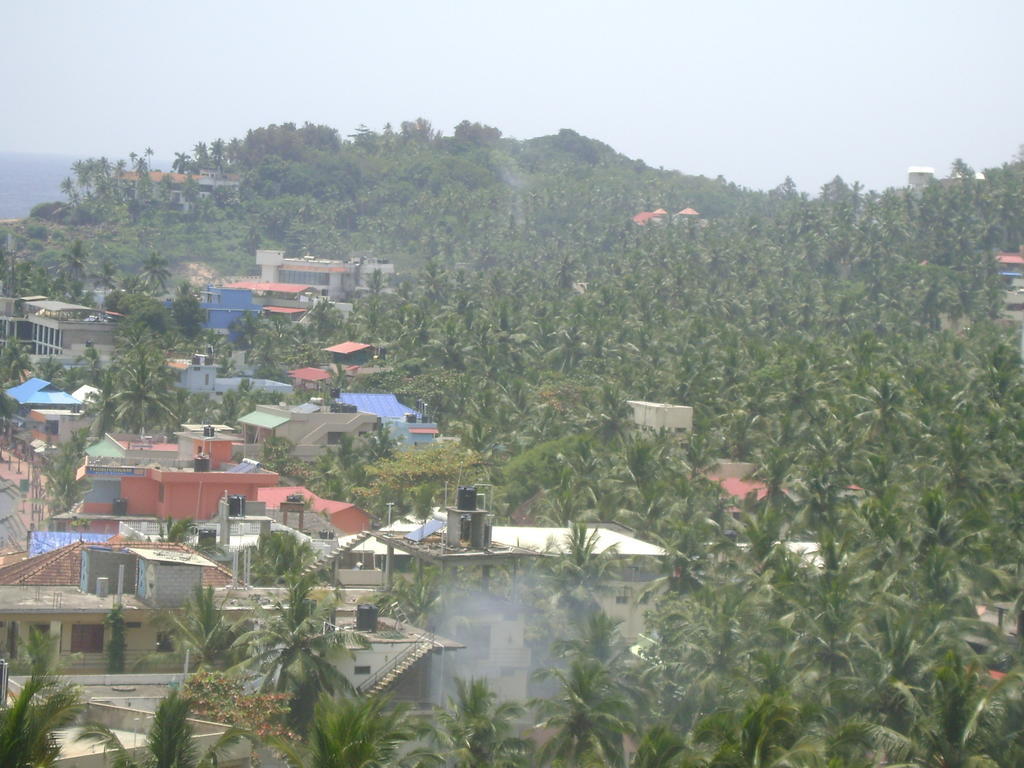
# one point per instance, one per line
(473, 197)
(847, 344)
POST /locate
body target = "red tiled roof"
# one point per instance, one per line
(660, 212)
(688, 212)
(643, 217)
(157, 176)
(347, 347)
(284, 310)
(423, 430)
(743, 488)
(995, 674)
(256, 285)
(309, 374)
(63, 567)
(330, 509)
(1010, 258)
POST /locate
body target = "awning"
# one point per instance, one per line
(261, 419)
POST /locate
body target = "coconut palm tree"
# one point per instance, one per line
(202, 627)
(28, 724)
(355, 733)
(154, 273)
(588, 714)
(476, 731)
(74, 263)
(142, 384)
(581, 572)
(280, 556)
(294, 650)
(660, 747)
(169, 743)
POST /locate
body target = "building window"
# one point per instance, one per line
(164, 642)
(87, 638)
(302, 277)
(52, 427)
(622, 598)
(160, 493)
(362, 670)
(334, 438)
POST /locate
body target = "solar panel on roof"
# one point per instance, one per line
(427, 529)
(245, 466)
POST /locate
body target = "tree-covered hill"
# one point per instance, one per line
(407, 194)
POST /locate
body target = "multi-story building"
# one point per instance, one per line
(1011, 270)
(409, 426)
(335, 280)
(183, 189)
(183, 480)
(310, 427)
(223, 306)
(56, 328)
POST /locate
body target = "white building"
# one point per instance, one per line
(659, 416)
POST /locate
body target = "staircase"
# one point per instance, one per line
(341, 549)
(422, 644)
(380, 683)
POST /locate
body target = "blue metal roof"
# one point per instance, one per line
(385, 406)
(41, 392)
(40, 542)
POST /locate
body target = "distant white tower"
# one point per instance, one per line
(919, 177)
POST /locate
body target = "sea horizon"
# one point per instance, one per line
(30, 178)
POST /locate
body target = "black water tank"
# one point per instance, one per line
(348, 408)
(236, 506)
(209, 431)
(366, 618)
(410, 418)
(201, 464)
(120, 507)
(206, 537)
(466, 498)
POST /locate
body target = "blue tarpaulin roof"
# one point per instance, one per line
(385, 406)
(41, 392)
(40, 542)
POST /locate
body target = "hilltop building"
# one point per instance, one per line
(334, 280)
(184, 189)
(58, 329)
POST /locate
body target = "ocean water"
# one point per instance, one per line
(27, 180)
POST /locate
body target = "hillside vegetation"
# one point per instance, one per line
(473, 197)
(849, 346)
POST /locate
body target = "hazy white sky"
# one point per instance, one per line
(752, 90)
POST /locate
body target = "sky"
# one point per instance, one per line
(751, 90)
